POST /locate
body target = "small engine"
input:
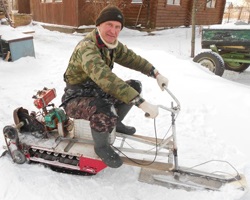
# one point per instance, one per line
(44, 97)
(54, 118)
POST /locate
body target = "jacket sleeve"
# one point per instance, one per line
(128, 58)
(96, 69)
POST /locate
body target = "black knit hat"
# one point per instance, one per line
(110, 13)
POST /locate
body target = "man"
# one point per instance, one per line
(93, 92)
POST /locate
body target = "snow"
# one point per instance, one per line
(235, 26)
(9, 35)
(236, 2)
(213, 123)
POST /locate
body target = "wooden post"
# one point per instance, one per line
(7, 56)
(193, 28)
(240, 11)
(138, 15)
(230, 7)
(6, 13)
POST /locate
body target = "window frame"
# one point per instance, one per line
(136, 1)
(211, 3)
(51, 1)
(173, 2)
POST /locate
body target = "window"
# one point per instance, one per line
(98, 1)
(136, 1)
(211, 3)
(50, 1)
(173, 2)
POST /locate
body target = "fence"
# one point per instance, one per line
(239, 13)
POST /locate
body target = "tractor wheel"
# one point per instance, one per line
(237, 67)
(212, 61)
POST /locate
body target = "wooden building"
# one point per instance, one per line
(150, 14)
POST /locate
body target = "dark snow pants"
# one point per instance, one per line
(100, 111)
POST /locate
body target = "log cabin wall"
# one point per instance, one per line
(179, 15)
(138, 14)
(158, 14)
(172, 15)
(149, 14)
(88, 12)
(208, 16)
(23, 6)
(62, 13)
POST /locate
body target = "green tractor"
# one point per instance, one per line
(230, 48)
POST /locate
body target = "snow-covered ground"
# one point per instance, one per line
(236, 2)
(213, 123)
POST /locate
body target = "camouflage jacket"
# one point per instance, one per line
(91, 59)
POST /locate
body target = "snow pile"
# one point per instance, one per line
(213, 123)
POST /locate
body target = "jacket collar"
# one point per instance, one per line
(101, 42)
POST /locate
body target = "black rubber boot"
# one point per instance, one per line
(122, 111)
(121, 128)
(104, 151)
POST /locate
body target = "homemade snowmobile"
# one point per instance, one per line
(53, 139)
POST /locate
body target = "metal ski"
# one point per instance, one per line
(187, 178)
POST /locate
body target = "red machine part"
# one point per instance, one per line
(90, 165)
(44, 97)
(67, 162)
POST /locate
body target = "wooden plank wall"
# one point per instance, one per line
(55, 13)
(24, 6)
(88, 12)
(173, 16)
(157, 14)
(208, 16)
(150, 14)
(136, 14)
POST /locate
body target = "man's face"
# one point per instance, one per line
(110, 30)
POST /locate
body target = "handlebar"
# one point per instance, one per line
(174, 109)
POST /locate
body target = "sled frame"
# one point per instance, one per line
(164, 171)
(170, 174)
